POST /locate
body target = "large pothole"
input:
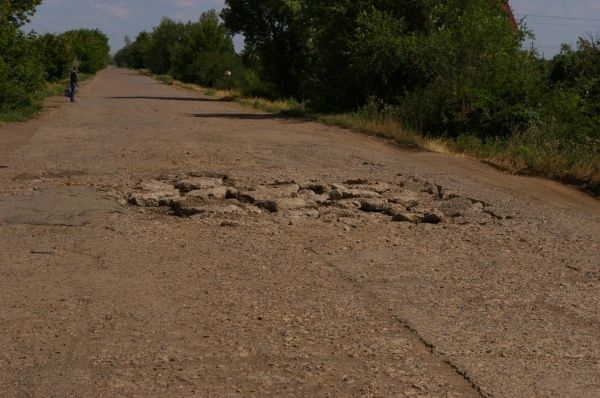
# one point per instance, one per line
(403, 201)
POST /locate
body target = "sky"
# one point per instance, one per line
(558, 21)
(553, 21)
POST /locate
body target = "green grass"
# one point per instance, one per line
(281, 107)
(165, 79)
(537, 154)
(31, 107)
(385, 128)
(21, 114)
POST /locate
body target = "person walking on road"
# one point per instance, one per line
(74, 80)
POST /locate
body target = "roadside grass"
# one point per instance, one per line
(380, 127)
(537, 154)
(22, 112)
(168, 80)
(31, 107)
(281, 107)
(287, 108)
(531, 153)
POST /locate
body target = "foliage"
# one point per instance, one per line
(478, 80)
(57, 56)
(574, 103)
(204, 53)
(21, 72)
(354, 51)
(90, 47)
(272, 29)
(27, 62)
(134, 53)
(449, 66)
(161, 45)
(196, 52)
(436, 60)
(17, 12)
(252, 85)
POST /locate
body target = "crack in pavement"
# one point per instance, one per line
(413, 331)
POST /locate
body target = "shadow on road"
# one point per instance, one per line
(189, 99)
(240, 116)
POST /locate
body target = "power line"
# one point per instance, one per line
(559, 17)
(564, 24)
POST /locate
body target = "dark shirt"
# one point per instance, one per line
(74, 78)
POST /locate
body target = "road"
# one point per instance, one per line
(155, 242)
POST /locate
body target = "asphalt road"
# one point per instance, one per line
(156, 242)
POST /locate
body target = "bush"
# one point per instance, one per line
(90, 47)
(165, 79)
(273, 32)
(21, 71)
(163, 38)
(56, 55)
(134, 55)
(252, 86)
(27, 62)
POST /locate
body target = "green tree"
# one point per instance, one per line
(90, 47)
(205, 52)
(161, 45)
(56, 54)
(273, 33)
(447, 66)
(353, 47)
(140, 50)
(478, 80)
(21, 71)
(134, 54)
(17, 12)
(573, 102)
(577, 65)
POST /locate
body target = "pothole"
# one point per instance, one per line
(401, 201)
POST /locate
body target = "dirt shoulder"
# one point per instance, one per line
(156, 242)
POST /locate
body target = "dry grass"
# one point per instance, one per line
(283, 107)
(222, 95)
(439, 145)
(386, 128)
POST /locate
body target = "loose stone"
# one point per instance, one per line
(374, 205)
(198, 183)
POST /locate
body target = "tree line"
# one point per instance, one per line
(194, 52)
(29, 61)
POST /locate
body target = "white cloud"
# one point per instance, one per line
(197, 4)
(116, 9)
(186, 3)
